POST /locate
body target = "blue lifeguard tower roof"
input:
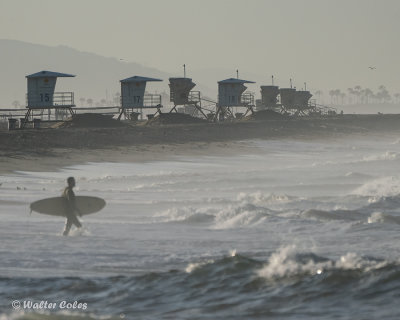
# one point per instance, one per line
(139, 79)
(179, 78)
(49, 74)
(235, 80)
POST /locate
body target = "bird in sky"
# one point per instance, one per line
(372, 68)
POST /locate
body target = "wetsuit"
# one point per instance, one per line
(69, 195)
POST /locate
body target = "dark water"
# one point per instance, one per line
(234, 287)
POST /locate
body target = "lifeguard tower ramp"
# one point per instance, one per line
(134, 99)
(181, 94)
(41, 95)
(231, 96)
(269, 98)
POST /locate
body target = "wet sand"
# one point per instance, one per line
(45, 149)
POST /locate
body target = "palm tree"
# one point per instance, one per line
(397, 96)
(357, 92)
(384, 94)
(82, 101)
(342, 96)
(117, 99)
(351, 95)
(89, 101)
(332, 94)
(318, 93)
(367, 93)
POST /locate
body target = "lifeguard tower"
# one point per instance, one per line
(181, 94)
(269, 98)
(231, 95)
(41, 95)
(134, 99)
(302, 102)
(288, 99)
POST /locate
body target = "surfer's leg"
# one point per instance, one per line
(75, 221)
(68, 225)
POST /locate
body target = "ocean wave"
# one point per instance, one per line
(187, 214)
(382, 187)
(345, 215)
(236, 215)
(384, 203)
(357, 175)
(244, 214)
(269, 198)
(388, 155)
(379, 217)
(289, 262)
(220, 286)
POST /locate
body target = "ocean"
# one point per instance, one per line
(291, 230)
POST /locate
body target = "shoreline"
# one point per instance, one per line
(60, 158)
(49, 149)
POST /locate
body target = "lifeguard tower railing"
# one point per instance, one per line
(47, 100)
(136, 102)
(247, 99)
(192, 98)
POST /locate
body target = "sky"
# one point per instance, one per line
(326, 43)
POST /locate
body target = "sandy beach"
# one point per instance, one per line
(43, 149)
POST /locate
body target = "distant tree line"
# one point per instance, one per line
(359, 95)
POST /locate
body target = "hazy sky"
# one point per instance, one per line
(328, 43)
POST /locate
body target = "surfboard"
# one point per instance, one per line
(57, 206)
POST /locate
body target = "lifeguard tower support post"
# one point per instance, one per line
(41, 95)
(181, 94)
(231, 94)
(133, 97)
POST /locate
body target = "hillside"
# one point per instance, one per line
(97, 77)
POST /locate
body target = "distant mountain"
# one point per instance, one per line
(96, 78)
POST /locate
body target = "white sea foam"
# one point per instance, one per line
(379, 217)
(260, 197)
(193, 266)
(285, 262)
(380, 187)
(388, 155)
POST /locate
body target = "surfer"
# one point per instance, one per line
(69, 195)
